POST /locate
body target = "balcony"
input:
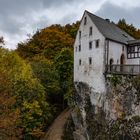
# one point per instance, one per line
(123, 69)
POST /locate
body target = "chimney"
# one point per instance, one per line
(108, 20)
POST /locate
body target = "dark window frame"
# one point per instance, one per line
(97, 43)
(80, 34)
(79, 48)
(80, 62)
(90, 60)
(90, 45)
(85, 20)
(90, 31)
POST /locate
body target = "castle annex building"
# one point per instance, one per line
(102, 48)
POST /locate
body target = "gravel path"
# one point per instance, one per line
(55, 131)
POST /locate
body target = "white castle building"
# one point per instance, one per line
(102, 48)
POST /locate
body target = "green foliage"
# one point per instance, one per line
(115, 79)
(49, 52)
(64, 66)
(45, 71)
(136, 119)
(9, 116)
(136, 84)
(26, 93)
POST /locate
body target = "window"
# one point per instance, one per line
(79, 34)
(90, 60)
(76, 49)
(111, 63)
(80, 62)
(97, 43)
(90, 45)
(90, 31)
(132, 49)
(122, 48)
(79, 48)
(85, 20)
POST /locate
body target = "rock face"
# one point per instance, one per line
(114, 115)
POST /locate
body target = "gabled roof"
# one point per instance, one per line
(109, 29)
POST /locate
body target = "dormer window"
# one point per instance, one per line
(85, 20)
(90, 31)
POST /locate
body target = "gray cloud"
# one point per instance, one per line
(114, 13)
(20, 17)
(48, 3)
(15, 14)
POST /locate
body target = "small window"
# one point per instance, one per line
(90, 45)
(80, 62)
(85, 20)
(79, 34)
(90, 31)
(76, 49)
(122, 48)
(131, 49)
(79, 48)
(97, 43)
(111, 64)
(90, 60)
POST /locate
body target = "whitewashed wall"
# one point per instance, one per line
(115, 52)
(90, 74)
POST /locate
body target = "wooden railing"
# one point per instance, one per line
(123, 69)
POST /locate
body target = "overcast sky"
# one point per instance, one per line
(18, 18)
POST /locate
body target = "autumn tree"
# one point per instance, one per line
(23, 99)
(47, 42)
(1, 40)
(42, 51)
(9, 115)
(129, 28)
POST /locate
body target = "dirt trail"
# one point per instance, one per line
(55, 132)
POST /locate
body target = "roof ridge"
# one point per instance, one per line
(95, 15)
(105, 20)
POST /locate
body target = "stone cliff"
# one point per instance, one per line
(113, 115)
